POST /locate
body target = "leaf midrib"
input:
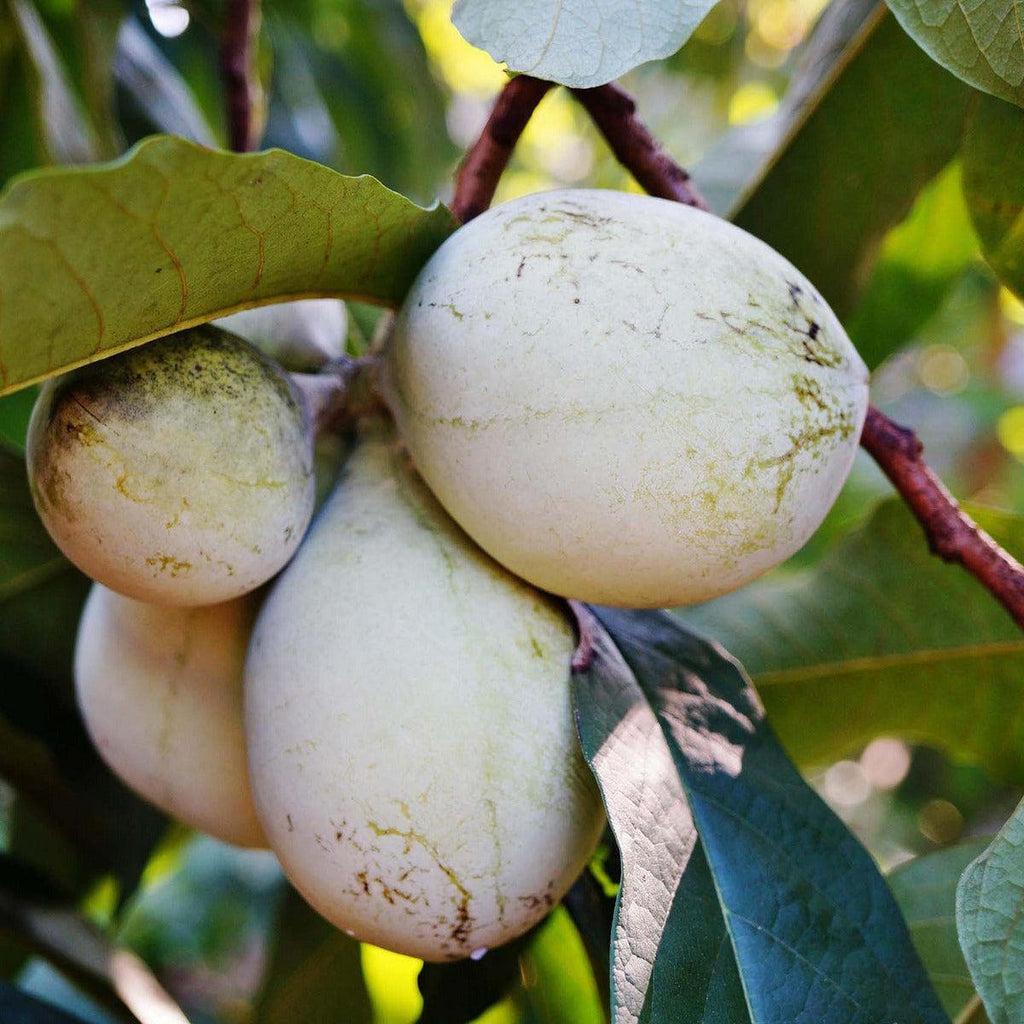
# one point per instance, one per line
(870, 663)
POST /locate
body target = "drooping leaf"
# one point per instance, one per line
(870, 136)
(990, 920)
(920, 261)
(578, 43)
(314, 974)
(66, 135)
(96, 260)
(982, 43)
(933, 656)
(925, 889)
(776, 913)
(994, 186)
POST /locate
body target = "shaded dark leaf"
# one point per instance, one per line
(776, 913)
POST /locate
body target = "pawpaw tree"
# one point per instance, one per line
(800, 796)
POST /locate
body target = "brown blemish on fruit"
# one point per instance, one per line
(165, 563)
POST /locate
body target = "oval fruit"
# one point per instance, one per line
(411, 740)
(180, 472)
(160, 690)
(623, 399)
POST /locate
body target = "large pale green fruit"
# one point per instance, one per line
(411, 740)
(160, 690)
(180, 472)
(623, 399)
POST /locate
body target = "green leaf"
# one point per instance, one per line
(96, 260)
(66, 136)
(559, 986)
(577, 42)
(934, 657)
(870, 136)
(981, 43)
(921, 259)
(925, 889)
(993, 159)
(990, 920)
(315, 975)
(777, 913)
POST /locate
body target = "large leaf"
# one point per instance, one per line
(990, 919)
(777, 913)
(578, 43)
(882, 637)
(96, 260)
(925, 889)
(982, 43)
(994, 186)
(870, 136)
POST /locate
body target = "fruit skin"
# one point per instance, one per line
(160, 690)
(623, 399)
(180, 472)
(301, 335)
(411, 741)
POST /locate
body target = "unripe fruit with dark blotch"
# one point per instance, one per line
(409, 724)
(180, 472)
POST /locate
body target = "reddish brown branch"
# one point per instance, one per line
(484, 163)
(613, 111)
(951, 533)
(238, 72)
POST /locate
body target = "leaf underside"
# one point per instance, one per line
(776, 913)
(98, 259)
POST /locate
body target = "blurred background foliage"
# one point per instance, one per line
(825, 131)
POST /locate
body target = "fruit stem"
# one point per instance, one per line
(238, 72)
(613, 110)
(480, 171)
